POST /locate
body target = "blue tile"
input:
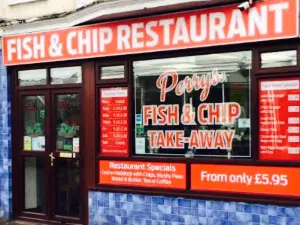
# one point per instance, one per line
(129, 198)
(210, 221)
(264, 209)
(273, 219)
(272, 210)
(290, 221)
(221, 215)
(281, 211)
(184, 203)
(174, 210)
(202, 204)
(264, 219)
(133, 209)
(239, 207)
(5, 144)
(175, 202)
(203, 212)
(209, 204)
(297, 221)
(255, 218)
(247, 208)
(232, 216)
(157, 200)
(243, 217)
(289, 212)
(167, 201)
(256, 209)
(297, 212)
(194, 204)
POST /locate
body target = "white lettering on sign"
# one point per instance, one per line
(219, 26)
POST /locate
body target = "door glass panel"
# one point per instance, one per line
(67, 187)
(67, 122)
(34, 174)
(34, 113)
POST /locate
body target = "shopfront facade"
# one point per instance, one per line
(190, 117)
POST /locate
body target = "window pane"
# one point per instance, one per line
(66, 75)
(279, 59)
(32, 77)
(67, 122)
(67, 186)
(34, 123)
(112, 72)
(34, 193)
(215, 93)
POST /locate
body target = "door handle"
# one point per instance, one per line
(51, 158)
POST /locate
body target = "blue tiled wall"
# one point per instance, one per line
(5, 144)
(122, 209)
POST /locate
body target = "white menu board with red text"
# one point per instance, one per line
(279, 119)
(114, 121)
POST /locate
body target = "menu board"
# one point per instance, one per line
(114, 121)
(279, 119)
(143, 174)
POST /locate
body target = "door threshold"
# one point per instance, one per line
(22, 222)
(32, 222)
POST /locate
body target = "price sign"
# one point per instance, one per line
(114, 121)
(279, 181)
(279, 119)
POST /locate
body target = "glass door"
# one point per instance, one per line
(33, 154)
(50, 162)
(65, 155)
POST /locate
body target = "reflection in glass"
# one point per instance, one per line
(67, 122)
(279, 59)
(67, 187)
(234, 67)
(66, 75)
(34, 123)
(112, 72)
(32, 77)
(34, 193)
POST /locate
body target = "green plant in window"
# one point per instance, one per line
(67, 131)
(34, 129)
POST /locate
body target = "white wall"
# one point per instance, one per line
(36, 8)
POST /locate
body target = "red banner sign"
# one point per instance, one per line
(143, 174)
(246, 179)
(279, 119)
(114, 121)
(267, 20)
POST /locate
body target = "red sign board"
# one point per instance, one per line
(114, 121)
(143, 174)
(266, 20)
(279, 181)
(279, 119)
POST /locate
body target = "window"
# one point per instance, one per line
(67, 122)
(278, 59)
(34, 123)
(112, 72)
(66, 75)
(193, 106)
(53, 76)
(32, 77)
